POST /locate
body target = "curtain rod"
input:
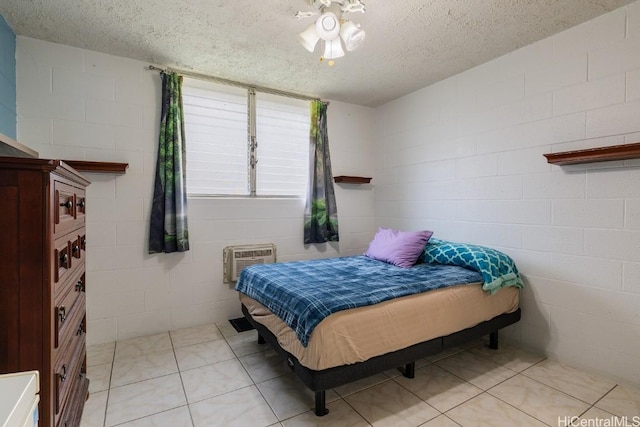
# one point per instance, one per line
(234, 83)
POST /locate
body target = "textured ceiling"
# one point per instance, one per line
(409, 44)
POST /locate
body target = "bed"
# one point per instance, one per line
(311, 312)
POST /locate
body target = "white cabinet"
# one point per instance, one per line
(19, 399)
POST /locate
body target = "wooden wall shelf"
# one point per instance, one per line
(100, 167)
(351, 179)
(591, 155)
(11, 148)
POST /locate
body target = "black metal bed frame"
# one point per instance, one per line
(326, 379)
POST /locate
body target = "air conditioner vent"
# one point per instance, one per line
(235, 258)
(254, 253)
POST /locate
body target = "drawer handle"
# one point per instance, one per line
(80, 286)
(64, 260)
(62, 313)
(81, 204)
(75, 249)
(63, 375)
(83, 243)
(80, 330)
(67, 204)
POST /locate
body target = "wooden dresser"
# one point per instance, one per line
(42, 282)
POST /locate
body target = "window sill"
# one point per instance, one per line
(240, 197)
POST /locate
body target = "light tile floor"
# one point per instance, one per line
(213, 376)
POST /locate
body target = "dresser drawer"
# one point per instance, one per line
(72, 413)
(61, 259)
(69, 367)
(76, 283)
(68, 255)
(68, 309)
(79, 246)
(69, 205)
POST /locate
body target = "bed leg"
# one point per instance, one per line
(261, 340)
(321, 404)
(409, 370)
(493, 340)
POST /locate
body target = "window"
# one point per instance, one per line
(218, 125)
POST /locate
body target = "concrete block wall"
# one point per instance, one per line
(464, 158)
(84, 105)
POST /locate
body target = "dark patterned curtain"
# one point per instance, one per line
(320, 212)
(169, 231)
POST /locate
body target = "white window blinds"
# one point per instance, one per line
(216, 126)
(282, 130)
(216, 139)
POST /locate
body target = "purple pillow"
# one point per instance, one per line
(401, 248)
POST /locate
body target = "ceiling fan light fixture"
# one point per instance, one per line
(333, 49)
(328, 26)
(352, 35)
(309, 38)
(353, 6)
(332, 28)
(300, 14)
(318, 4)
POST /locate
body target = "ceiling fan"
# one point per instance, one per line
(332, 28)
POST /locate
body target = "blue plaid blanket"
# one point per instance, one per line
(303, 293)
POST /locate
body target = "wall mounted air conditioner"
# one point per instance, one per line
(235, 258)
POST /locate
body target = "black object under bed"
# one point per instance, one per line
(326, 379)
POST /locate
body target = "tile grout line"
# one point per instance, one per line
(184, 390)
(340, 397)
(419, 398)
(139, 381)
(522, 373)
(515, 407)
(456, 376)
(483, 391)
(561, 391)
(546, 385)
(236, 357)
(448, 417)
(148, 416)
(594, 403)
(106, 405)
(450, 373)
(250, 377)
(356, 411)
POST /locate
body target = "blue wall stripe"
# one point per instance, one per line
(7, 80)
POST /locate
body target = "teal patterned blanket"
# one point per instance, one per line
(498, 269)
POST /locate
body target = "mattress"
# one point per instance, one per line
(358, 334)
(303, 293)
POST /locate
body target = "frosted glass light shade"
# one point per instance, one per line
(333, 49)
(352, 35)
(309, 38)
(328, 26)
